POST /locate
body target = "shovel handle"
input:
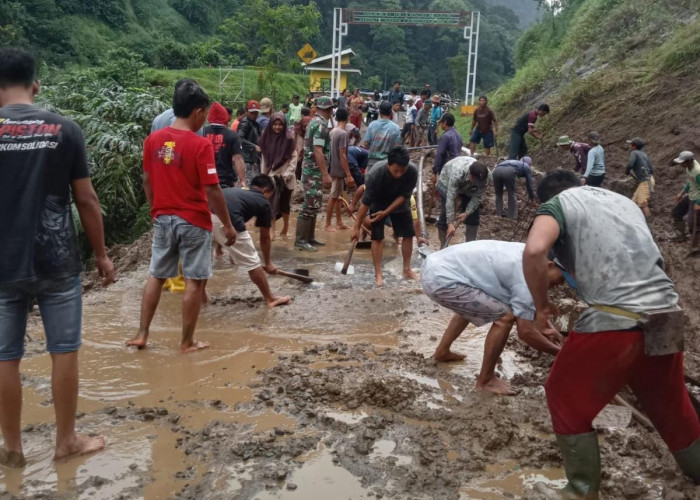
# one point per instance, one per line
(300, 277)
(348, 258)
(345, 202)
(449, 238)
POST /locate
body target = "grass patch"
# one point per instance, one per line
(239, 86)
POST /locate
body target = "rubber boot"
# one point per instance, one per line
(679, 228)
(689, 461)
(303, 228)
(581, 463)
(312, 234)
(442, 236)
(470, 233)
(694, 245)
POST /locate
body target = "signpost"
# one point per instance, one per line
(307, 53)
(470, 21)
(405, 17)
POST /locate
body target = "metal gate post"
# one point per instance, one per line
(335, 30)
(476, 54)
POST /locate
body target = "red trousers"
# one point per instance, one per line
(592, 368)
(356, 119)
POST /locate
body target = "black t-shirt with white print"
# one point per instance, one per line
(40, 154)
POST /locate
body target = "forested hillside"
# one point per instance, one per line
(624, 68)
(181, 34)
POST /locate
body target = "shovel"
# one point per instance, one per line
(345, 267)
(449, 238)
(360, 244)
(298, 274)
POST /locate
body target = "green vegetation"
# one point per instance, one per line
(590, 46)
(239, 86)
(186, 34)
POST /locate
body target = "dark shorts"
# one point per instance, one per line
(401, 222)
(488, 137)
(595, 180)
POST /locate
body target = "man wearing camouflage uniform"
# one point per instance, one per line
(314, 174)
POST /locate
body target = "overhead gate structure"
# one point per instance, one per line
(469, 21)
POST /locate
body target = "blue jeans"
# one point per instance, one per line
(175, 239)
(61, 307)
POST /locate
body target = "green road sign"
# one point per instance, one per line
(405, 17)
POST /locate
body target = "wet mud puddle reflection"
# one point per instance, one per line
(145, 402)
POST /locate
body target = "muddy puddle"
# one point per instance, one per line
(331, 397)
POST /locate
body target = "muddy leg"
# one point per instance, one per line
(495, 343)
(285, 225)
(149, 304)
(258, 277)
(64, 389)
(10, 414)
(453, 330)
(339, 217)
(329, 215)
(191, 305)
(406, 252)
(377, 250)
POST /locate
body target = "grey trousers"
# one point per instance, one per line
(506, 177)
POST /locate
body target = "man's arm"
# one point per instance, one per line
(217, 203)
(544, 233)
(528, 333)
(471, 129)
(474, 202)
(88, 206)
(440, 155)
(400, 200)
(148, 188)
(356, 199)
(321, 164)
(239, 166)
(361, 214)
(589, 165)
(495, 123)
(630, 164)
(343, 152)
(265, 246)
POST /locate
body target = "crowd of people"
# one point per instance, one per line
(208, 174)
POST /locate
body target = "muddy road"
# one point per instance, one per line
(332, 397)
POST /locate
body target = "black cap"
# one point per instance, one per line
(637, 142)
(480, 173)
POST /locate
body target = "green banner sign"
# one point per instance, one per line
(405, 17)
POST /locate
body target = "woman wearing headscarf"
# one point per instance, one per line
(279, 160)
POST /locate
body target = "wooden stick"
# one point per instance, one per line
(641, 418)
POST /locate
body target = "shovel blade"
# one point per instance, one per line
(302, 272)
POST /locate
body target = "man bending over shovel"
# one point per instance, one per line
(483, 282)
(388, 189)
(243, 204)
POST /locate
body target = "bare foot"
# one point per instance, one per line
(195, 346)
(279, 301)
(496, 386)
(139, 341)
(329, 229)
(447, 357)
(343, 227)
(79, 445)
(410, 275)
(12, 459)
(283, 233)
(219, 253)
(379, 282)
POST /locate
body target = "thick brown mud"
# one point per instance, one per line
(332, 397)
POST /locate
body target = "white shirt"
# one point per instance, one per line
(409, 113)
(494, 267)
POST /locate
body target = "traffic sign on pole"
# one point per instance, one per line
(307, 53)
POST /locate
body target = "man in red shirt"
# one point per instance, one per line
(179, 176)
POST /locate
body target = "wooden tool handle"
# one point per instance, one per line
(348, 258)
(300, 277)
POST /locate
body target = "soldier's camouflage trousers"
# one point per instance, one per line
(311, 180)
